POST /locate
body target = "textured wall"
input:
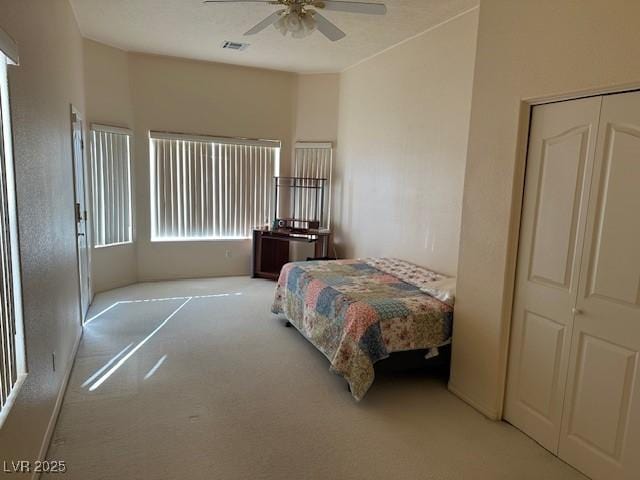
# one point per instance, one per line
(108, 101)
(402, 144)
(197, 97)
(315, 119)
(526, 50)
(43, 87)
(316, 108)
(188, 96)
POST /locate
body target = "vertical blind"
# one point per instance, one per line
(111, 175)
(12, 359)
(210, 188)
(313, 160)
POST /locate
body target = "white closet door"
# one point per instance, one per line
(559, 167)
(601, 423)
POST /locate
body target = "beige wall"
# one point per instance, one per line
(108, 101)
(188, 96)
(316, 108)
(315, 119)
(48, 81)
(527, 50)
(402, 143)
(147, 92)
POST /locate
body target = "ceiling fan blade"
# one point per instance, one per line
(353, 7)
(327, 28)
(270, 20)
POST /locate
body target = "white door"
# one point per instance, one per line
(601, 422)
(80, 211)
(559, 166)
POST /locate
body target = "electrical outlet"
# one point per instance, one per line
(53, 361)
(227, 253)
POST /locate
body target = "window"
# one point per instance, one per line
(314, 160)
(12, 355)
(206, 188)
(111, 174)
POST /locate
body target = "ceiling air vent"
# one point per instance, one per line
(234, 45)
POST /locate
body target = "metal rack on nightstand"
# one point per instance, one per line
(298, 217)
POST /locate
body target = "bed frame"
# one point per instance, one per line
(413, 360)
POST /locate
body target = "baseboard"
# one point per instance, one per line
(56, 409)
(487, 412)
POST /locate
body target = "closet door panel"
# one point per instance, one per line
(559, 168)
(615, 260)
(601, 422)
(558, 205)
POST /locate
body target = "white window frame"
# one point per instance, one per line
(9, 56)
(209, 139)
(101, 128)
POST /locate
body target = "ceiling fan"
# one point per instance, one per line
(301, 17)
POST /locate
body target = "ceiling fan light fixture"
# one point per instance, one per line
(308, 22)
(299, 18)
(298, 24)
(281, 24)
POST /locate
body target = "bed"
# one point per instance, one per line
(358, 312)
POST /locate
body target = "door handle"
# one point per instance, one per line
(80, 234)
(576, 311)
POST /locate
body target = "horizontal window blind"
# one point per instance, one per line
(111, 175)
(313, 160)
(205, 188)
(12, 358)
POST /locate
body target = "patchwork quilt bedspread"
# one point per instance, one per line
(357, 312)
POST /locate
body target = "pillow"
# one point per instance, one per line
(435, 284)
(444, 290)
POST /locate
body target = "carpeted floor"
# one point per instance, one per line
(205, 383)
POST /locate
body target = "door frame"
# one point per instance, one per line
(74, 112)
(513, 243)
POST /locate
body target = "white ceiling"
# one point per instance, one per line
(191, 29)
